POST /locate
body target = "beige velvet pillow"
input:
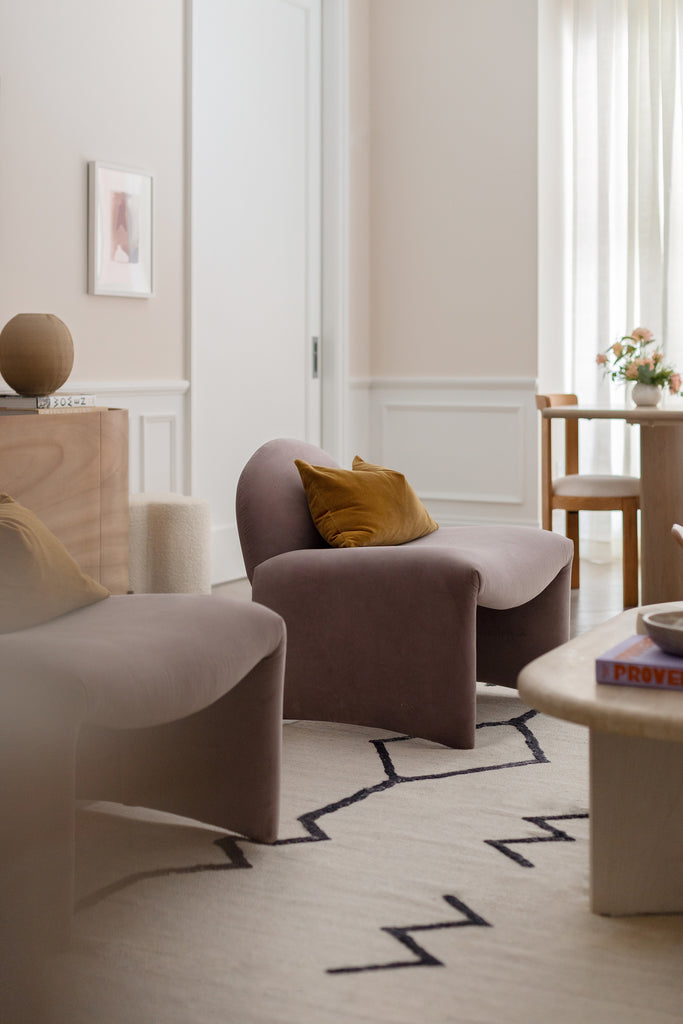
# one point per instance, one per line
(39, 579)
(371, 508)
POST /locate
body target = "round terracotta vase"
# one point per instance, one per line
(36, 353)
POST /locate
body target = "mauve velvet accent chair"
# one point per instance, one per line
(395, 637)
(168, 701)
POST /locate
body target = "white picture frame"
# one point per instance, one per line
(120, 221)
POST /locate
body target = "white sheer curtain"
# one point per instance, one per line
(623, 121)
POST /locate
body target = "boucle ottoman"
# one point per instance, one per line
(169, 544)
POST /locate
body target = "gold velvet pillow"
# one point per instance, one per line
(371, 508)
(39, 579)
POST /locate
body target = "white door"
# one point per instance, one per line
(255, 238)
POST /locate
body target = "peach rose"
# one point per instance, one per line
(675, 383)
(642, 334)
(631, 371)
(617, 348)
(601, 359)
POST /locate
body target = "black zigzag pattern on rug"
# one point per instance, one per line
(316, 834)
(227, 844)
(421, 957)
(557, 835)
(309, 820)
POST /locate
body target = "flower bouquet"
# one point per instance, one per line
(636, 358)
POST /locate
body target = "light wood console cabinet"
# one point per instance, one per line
(71, 469)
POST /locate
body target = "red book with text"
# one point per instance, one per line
(638, 661)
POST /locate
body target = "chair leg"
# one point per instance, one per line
(572, 531)
(507, 640)
(220, 765)
(38, 738)
(420, 681)
(630, 552)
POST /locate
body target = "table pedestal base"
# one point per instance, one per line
(661, 503)
(636, 824)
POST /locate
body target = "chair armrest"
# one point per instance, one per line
(397, 575)
(378, 636)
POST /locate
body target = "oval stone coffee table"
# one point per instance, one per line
(636, 770)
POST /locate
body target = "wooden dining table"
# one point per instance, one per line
(661, 491)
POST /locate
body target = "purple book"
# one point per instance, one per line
(638, 661)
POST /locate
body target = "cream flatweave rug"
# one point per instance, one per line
(411, 883)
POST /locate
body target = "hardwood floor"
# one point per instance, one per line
(240, 589)
(597, 599)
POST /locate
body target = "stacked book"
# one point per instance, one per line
(23, 404)
(638, 661)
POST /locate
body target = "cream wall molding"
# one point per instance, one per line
(158, 451)
(467, 445)
(136, 387)
(469, 383)
(157, 421)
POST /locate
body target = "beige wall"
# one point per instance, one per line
(452, 188)
(442, 174)
(84, 80)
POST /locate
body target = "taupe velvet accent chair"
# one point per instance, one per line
(575, 492)
(395, 637)
(168, 701)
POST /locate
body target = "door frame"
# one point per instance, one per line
(335, 227)
(335, 220)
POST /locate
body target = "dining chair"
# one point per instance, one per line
(582, 492)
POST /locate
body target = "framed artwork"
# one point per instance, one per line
(119, 231)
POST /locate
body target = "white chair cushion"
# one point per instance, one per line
(580, 485)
